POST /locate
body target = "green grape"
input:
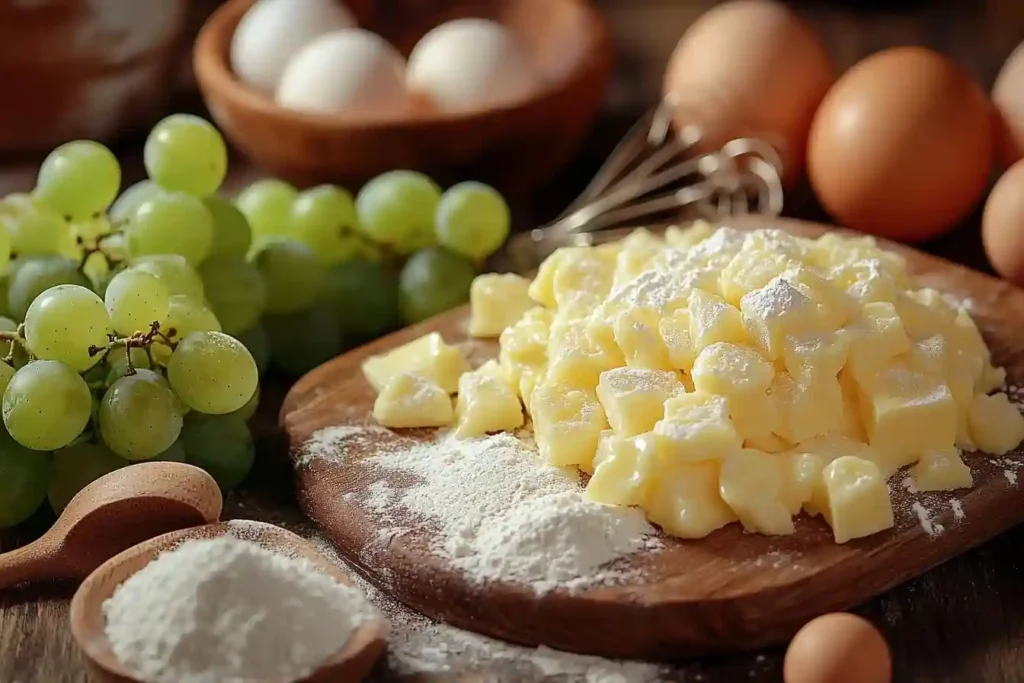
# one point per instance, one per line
(257, 342)
(324, 218)
(232, 235)
(24, 477)
(128, 203)
(220, 444)
(135, 300)
(35, 275)
(235, 292)
(363, 295)
(97, 269)
(117, 363)
(138, 418)
(301, 341)
(249, 409)
(176, 452)
(6, 373)
(64, 322)
(46, 405)
(267, 205)
(174, 271)
(115, 246)
(89, 230)
(172, 223)
(398, 208)
(5, 306)
(79, 179)
(212, 372)
(34, 229)
(77, 466)
(186, 315)
(187, 154)
(433, 281)
(472, 220)
(293, 275)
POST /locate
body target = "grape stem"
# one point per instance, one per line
(15, 338)
(137, 340)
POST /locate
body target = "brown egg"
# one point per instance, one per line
(1008, 95)
(1002, 225)
(838, 648)
(750, 68)
(901, 146)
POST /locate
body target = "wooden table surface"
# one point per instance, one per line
(960, 623)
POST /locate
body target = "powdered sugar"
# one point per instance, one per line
(225, 610)
(497, 511)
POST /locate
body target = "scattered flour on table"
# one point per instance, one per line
(958, 509)
(225, 610)
(924, 517)
(1011, 477)
(500, 513)
(419, 646)
(335, 441)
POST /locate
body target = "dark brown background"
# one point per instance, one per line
(960, 623)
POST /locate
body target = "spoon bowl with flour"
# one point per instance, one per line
(240, 601)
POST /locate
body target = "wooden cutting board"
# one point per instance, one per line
(728, 591)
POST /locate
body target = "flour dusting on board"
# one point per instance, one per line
(499, 512)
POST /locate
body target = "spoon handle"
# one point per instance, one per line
(33, 562)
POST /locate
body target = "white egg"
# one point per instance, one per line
(351, 71)
(471, 64)
(272, 31)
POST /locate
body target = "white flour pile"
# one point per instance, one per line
(227, 611)
(501, 514)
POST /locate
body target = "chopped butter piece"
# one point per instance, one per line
(713, 320)
(751, 483)
(696, 427)
(637, 336)
(941, 471)
(485, 404)
(776, 311)
(574, 358)
(731, 370)
(428, 356)
(807, 409)
(624, 471)
(856, 499)
(410, 400)
(634, 398)
(497, 301)
(685, 501)
(567, 424)
(997, 426)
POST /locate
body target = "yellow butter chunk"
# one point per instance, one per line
(867, 281)
(996, 424)
(684, 238)
(807, 409)
(428, 356)
(675, 335)
(410, 400)
(731, 370)
(835, 307)
(810, 356)
(497, 301)
(750, 270)
(876, 338)
(776, 311)
(574, 358)
(752, 484)
(856, 499)
(638, 250)
(567, 424)
(696, 427)
(485, 404)
(685, 501)
(582, 280)
(801, 473)
(524, 346)
(941, 471)
(624, 470)
(712, 320)
(906, 414)
(921, 320)
(634, 398)
(492, 368)
(639, 339)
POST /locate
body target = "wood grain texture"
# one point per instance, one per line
(515, 148)
(728, 591)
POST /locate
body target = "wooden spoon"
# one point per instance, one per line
(349, 665)
(115, 512)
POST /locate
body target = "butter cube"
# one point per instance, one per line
(429, 356)
(626, 471)
(867, 281)
(582, 281)
(684, 238)
(696, 427)
(876, 338)
(750, 270)
(523, 346)
(567, 424)
(637, 336)
(717, 250)
(497, 301)
(771, 443)
(941, 471)
(810, 356)
(685, 501)
(807, 409)
(801, 473)
(930, 356)
(834, 446)
(636, 255)
(997, 426)
(756, 416)
(542, 288)
(492, 368)
(776, 311)
(921, 320)
(485, 404)
(856, 499)
(529, 379)
(731, 370)
(853, 423)
(573, 357)
(751, 483)
(409, 400)
(907, 414)
(713, 320)
(835, 307)
(675, 334)
(659, 290)
(634, 398)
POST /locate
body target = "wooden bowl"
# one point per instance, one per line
(515, 148)
(85, 69)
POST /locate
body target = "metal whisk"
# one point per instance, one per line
(654, 172)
